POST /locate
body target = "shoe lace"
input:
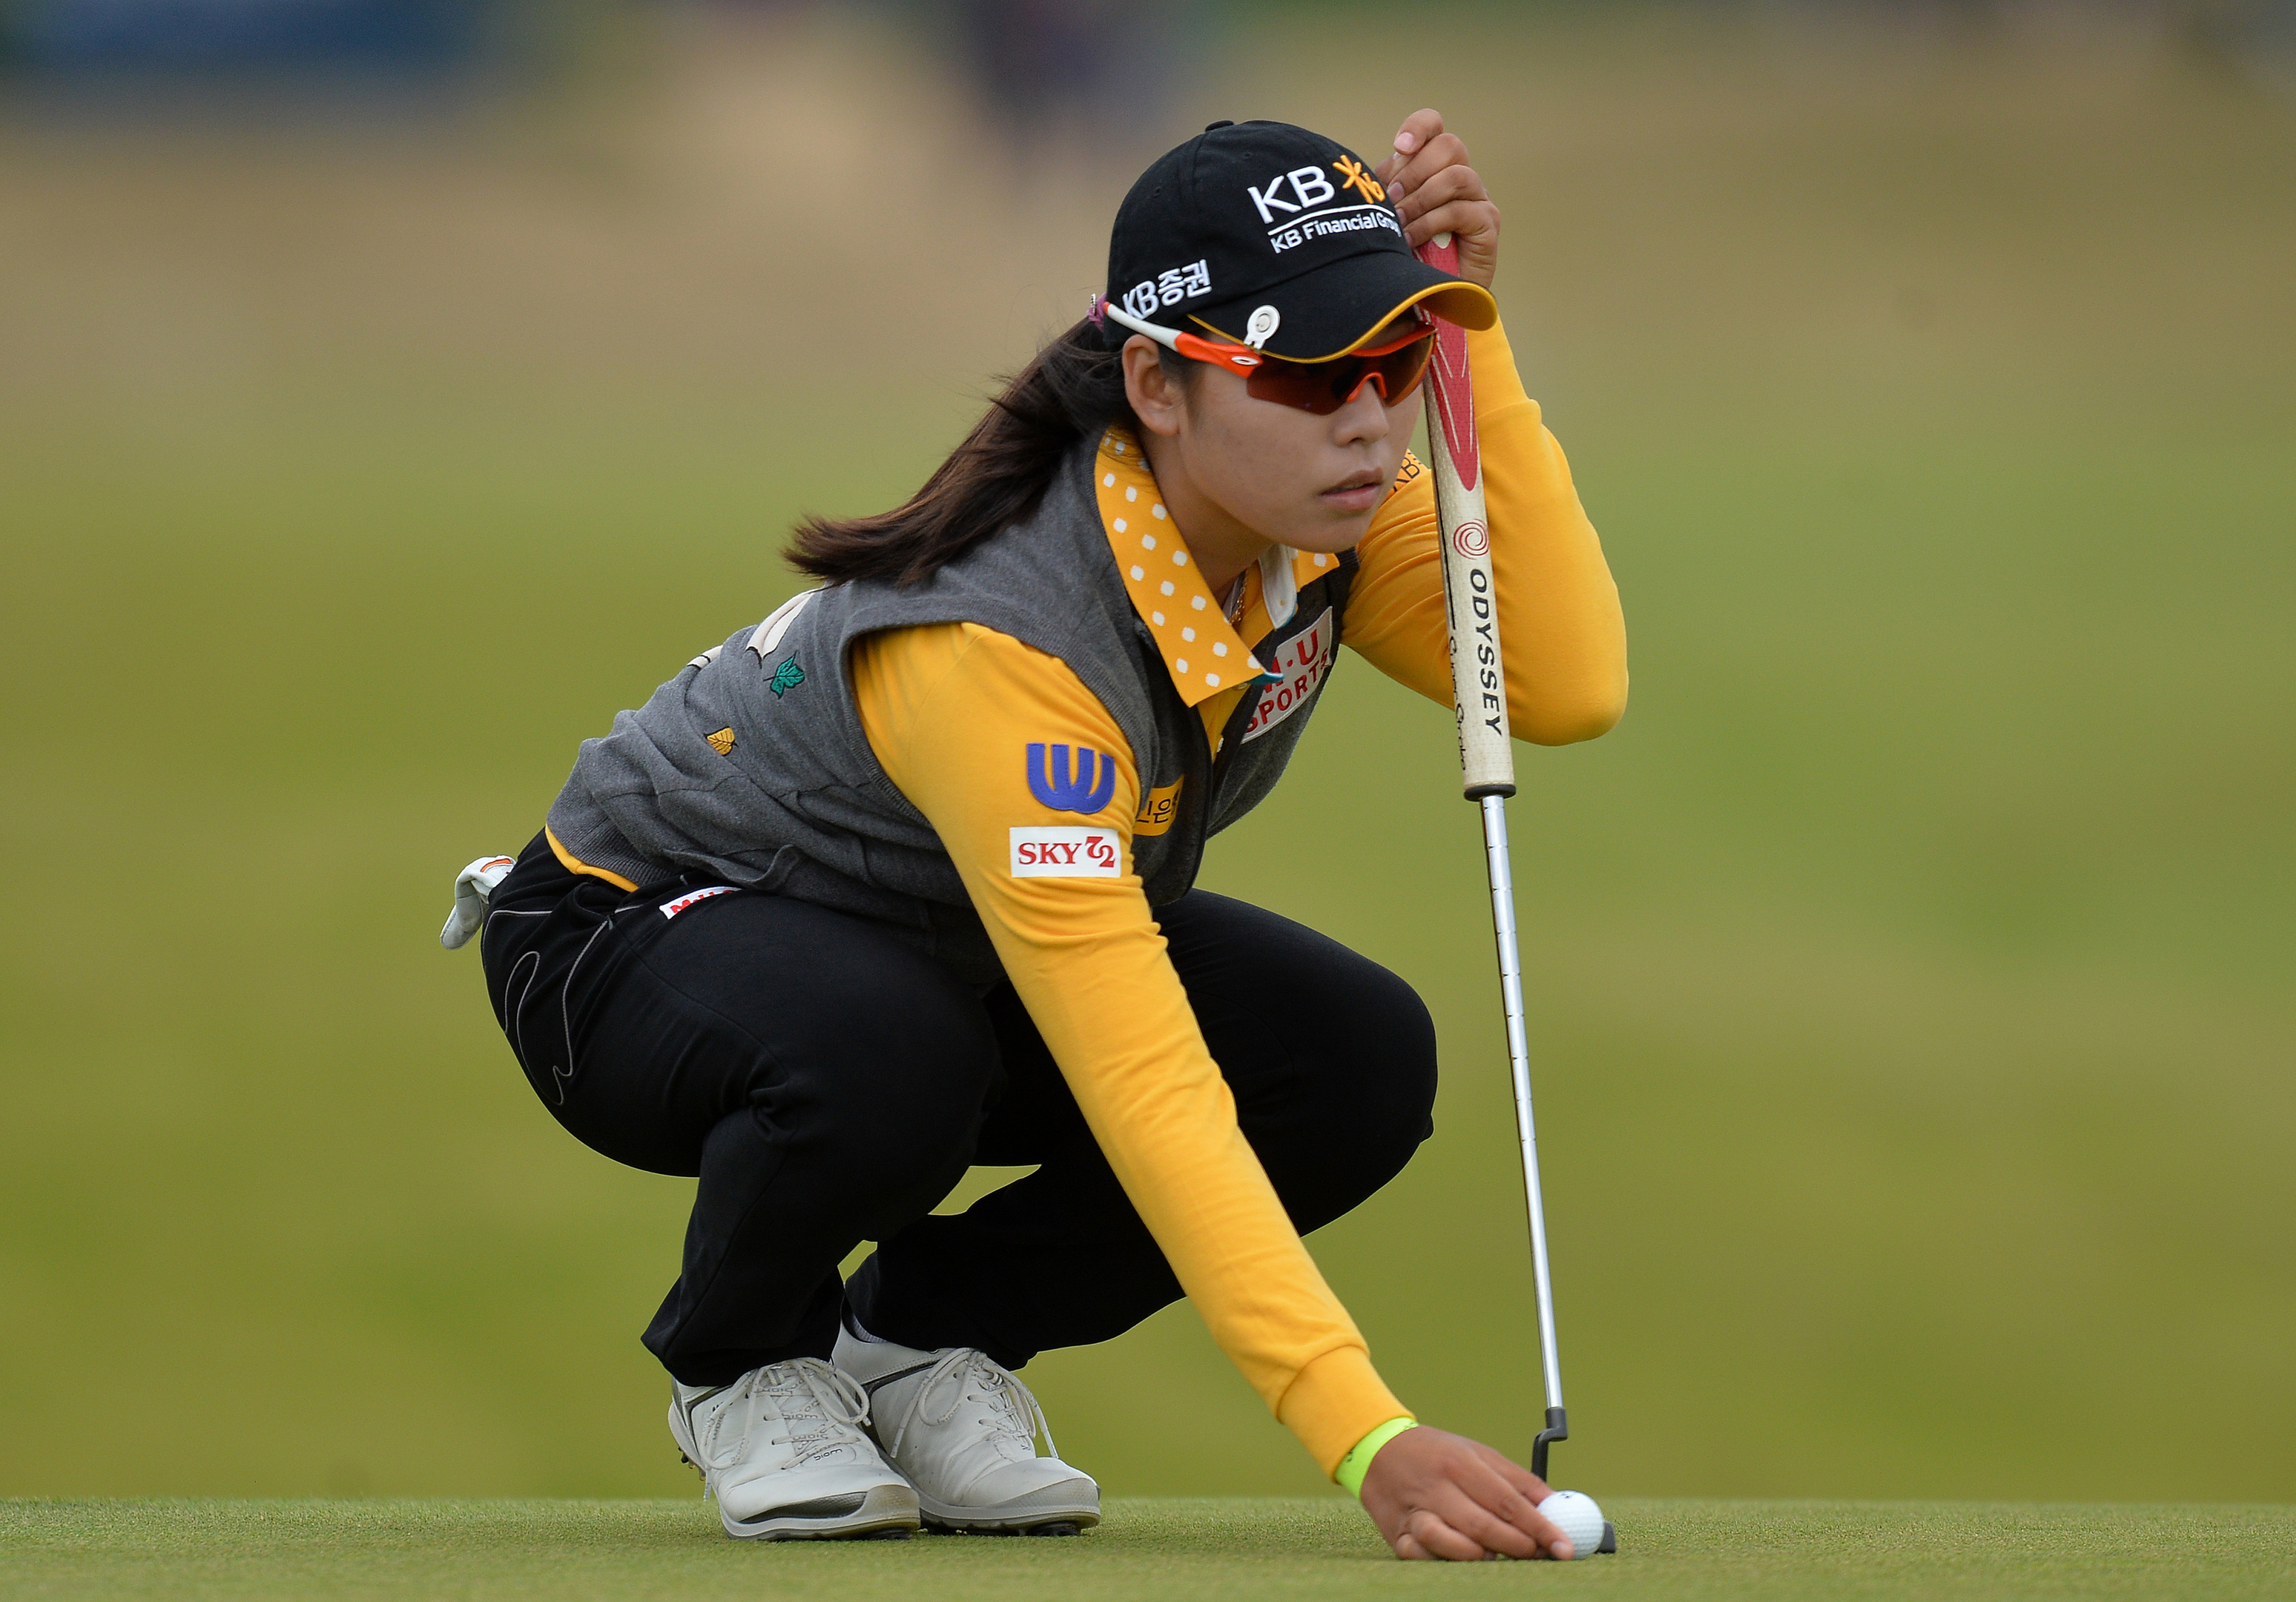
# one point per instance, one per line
(822, 1408)
(966, 1371)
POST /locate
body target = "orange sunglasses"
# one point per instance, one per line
(1395, 368)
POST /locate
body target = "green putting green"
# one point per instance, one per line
(1908, 971)
(1194, 1548)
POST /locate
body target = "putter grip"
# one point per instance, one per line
(1469, 601)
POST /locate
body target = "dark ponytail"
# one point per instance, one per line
(1071, 390)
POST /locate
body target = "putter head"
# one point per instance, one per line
(1558, 1428)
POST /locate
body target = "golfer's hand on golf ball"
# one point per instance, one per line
(1434, 1494)
(1436, 192)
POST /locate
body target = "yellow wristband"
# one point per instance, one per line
(1349, 1474)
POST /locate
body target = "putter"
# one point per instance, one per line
(1487, 765)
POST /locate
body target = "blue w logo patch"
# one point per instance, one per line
(1050, 783)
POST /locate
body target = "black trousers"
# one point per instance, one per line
(829, 1084)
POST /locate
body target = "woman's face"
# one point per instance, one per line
(1288, 476)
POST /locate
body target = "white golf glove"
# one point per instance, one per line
(473, 886)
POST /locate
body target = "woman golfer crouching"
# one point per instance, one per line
(901, 880)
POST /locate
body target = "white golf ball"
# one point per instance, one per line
(1575, 1514)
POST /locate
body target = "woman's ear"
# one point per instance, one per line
(1156, 400)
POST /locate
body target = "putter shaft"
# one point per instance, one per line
(1502, 875)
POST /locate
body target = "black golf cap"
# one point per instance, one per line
(1250, 223)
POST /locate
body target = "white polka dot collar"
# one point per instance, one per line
(1201, 649)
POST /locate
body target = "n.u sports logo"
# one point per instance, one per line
(1084, 787)
(1300, 664)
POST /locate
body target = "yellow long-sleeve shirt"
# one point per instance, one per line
(946, 706)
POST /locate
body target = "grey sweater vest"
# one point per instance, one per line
(752, 765)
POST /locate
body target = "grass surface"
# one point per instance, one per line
(1195, 1547)
(1909, 974)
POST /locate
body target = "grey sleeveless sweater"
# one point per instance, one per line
(793, 800)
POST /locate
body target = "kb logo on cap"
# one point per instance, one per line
(1314, 192)
(1308, 183)
(1312, 188)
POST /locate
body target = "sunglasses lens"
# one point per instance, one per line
(1296, 384)
(1323, 388)
(1400, 370)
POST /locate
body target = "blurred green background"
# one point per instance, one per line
(1910, 973)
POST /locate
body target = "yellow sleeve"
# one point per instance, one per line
(1559, 626)
(952, 711)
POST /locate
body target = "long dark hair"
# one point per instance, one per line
(1071, 390)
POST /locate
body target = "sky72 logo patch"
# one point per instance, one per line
(1067, 853)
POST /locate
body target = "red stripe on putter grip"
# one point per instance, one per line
(1448, 378)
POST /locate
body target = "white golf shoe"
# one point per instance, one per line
(783, 1452)
(964, 1432)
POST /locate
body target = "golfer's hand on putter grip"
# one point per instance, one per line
(1435, 1494)
(1436, 192)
